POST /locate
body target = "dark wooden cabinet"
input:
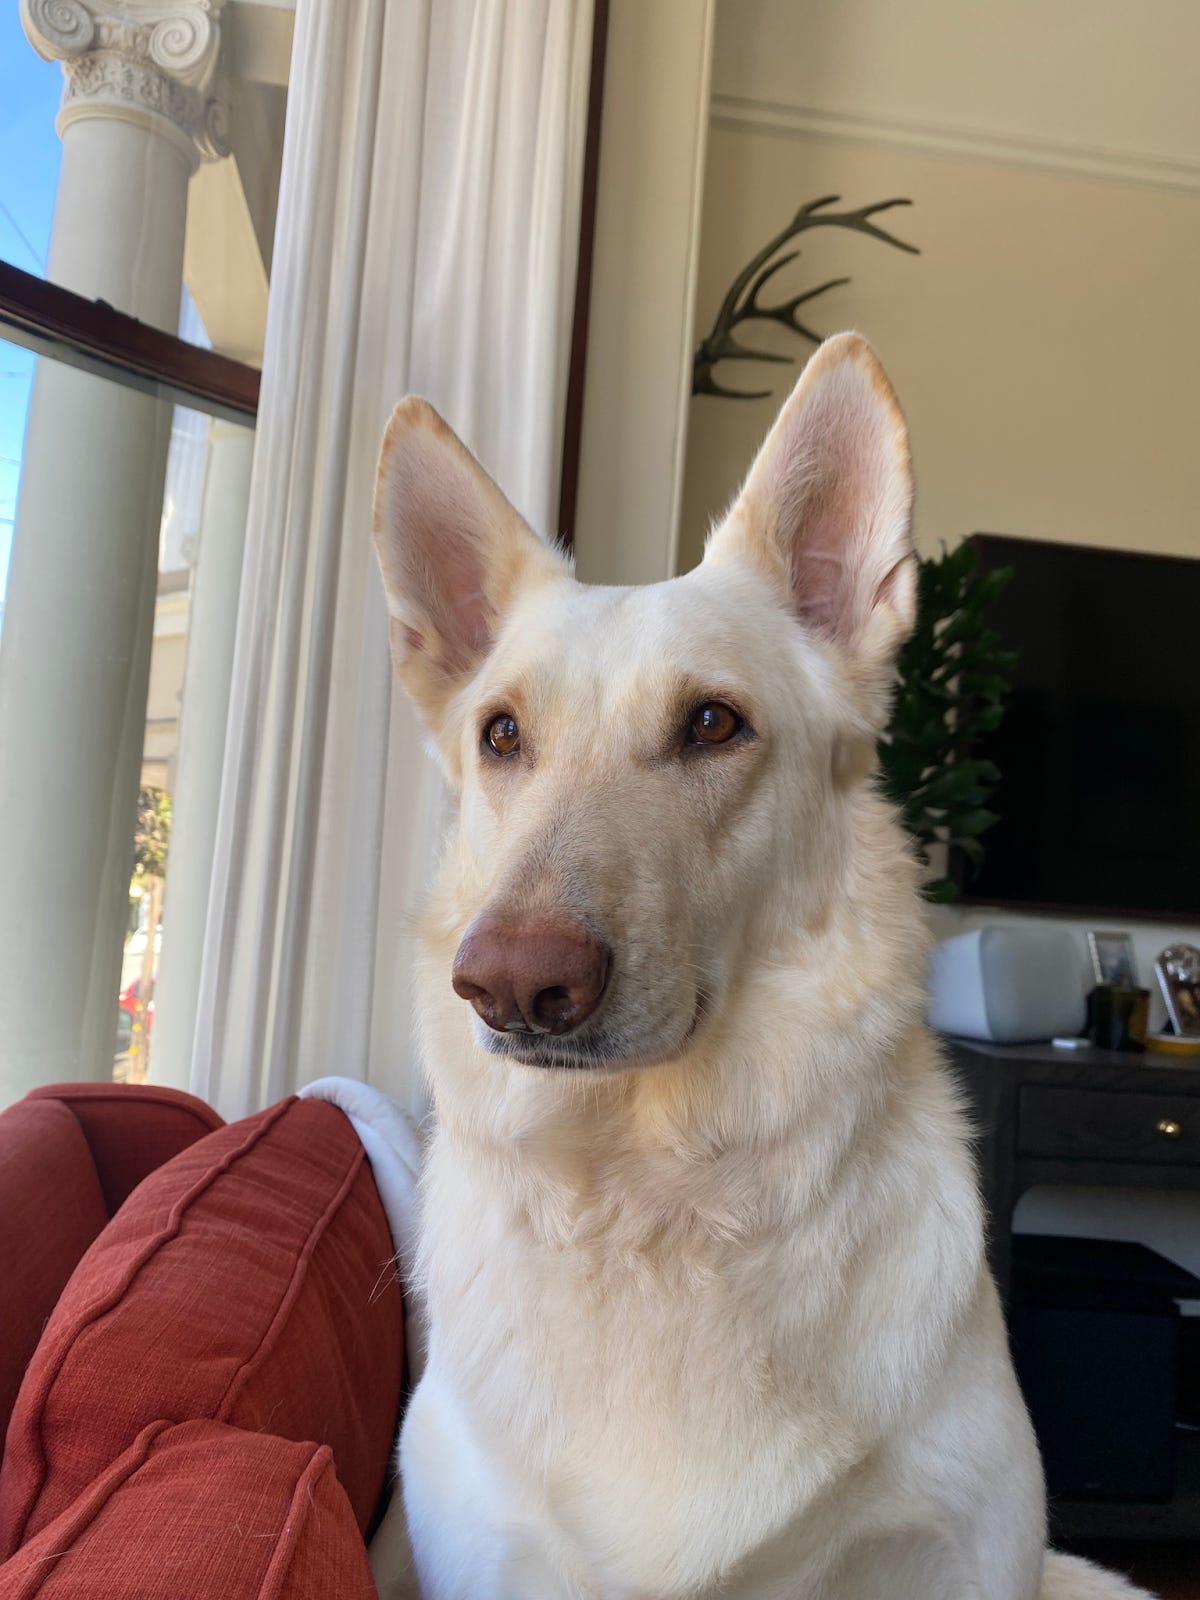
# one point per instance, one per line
(1100, 1118)
(1162, 1130)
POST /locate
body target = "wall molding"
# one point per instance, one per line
(968, 144)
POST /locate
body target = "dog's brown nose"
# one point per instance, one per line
(541, 975)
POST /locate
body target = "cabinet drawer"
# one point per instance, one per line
(1096, 1125)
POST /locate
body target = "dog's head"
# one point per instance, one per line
(654, 783)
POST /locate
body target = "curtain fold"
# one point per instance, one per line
(428, 220)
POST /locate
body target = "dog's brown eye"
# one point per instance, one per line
(714, 723)
(503, 735)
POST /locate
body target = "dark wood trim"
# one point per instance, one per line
(573, 420)
(94, 335)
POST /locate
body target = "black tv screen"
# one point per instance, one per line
(1099, 751)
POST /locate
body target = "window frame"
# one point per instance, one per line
(94, 336)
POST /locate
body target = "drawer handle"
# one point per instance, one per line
(1169, 1129)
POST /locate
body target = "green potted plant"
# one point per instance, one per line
(952, 685)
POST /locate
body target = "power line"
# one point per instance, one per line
(23, 236)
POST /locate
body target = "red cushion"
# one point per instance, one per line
(202, 1511)
(248, 1281)
(132, 1128)
(51, 1209)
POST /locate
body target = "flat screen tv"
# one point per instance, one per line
(1099, 752)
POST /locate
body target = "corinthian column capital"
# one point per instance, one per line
(153, 62)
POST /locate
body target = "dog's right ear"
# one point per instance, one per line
(453, 553)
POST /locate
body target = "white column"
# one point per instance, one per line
(138, 113)
(212, 624)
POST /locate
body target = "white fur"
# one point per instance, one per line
(709, 1310)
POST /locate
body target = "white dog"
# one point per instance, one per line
(702, 1246)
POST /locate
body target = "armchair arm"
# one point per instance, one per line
(131, 1128)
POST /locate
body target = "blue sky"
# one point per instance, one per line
(29, 156)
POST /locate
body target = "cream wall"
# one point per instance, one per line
(1098, 83)
(1044, 344)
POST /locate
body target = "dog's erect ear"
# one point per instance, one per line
(826, 510)
(453, 553)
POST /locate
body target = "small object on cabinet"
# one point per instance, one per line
(1174, 1044)
(1118, 1016)
(1112, 958)
(1007, 985)
(1178, 972)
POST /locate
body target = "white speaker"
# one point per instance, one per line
(1009, 985)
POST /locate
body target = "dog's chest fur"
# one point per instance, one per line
(641, 1332)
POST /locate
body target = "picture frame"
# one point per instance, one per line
(1178, 973)
(1113, 960)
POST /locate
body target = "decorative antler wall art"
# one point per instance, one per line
(743, 303)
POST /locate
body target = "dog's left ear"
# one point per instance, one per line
(826, 511)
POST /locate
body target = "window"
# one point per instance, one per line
(134, 266)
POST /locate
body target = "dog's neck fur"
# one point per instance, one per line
(618, 1159)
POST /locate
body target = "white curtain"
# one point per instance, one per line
(428, 221)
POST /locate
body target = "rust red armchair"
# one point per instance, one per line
(200, 1349)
